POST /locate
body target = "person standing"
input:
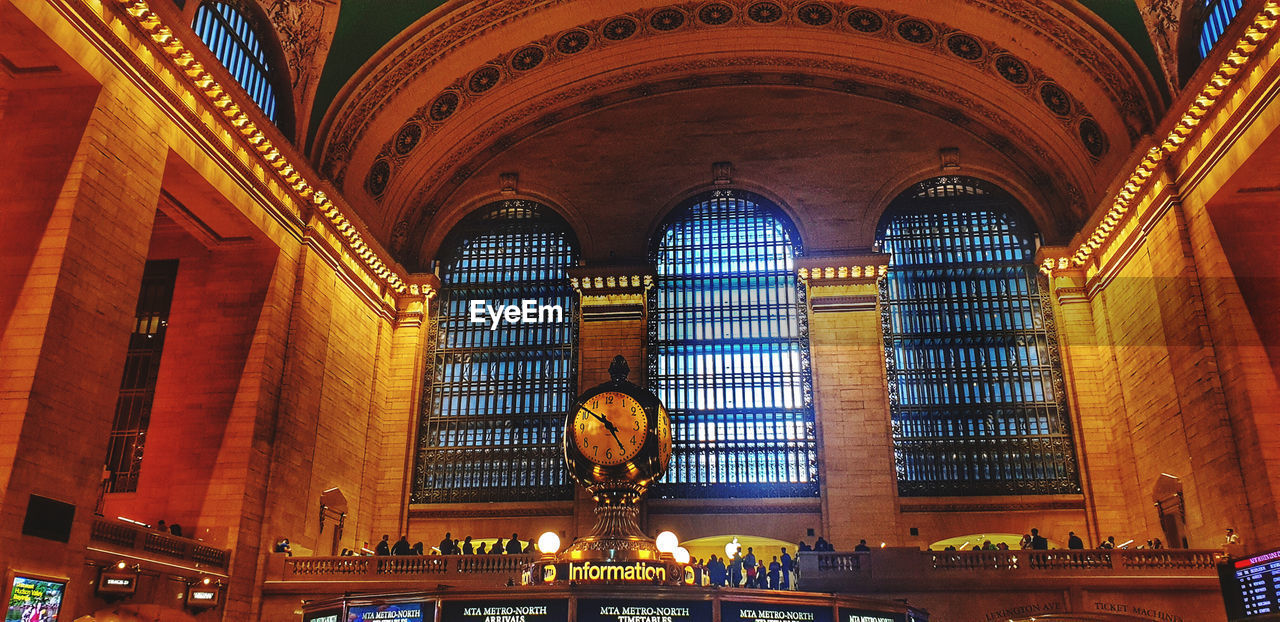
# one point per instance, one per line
(775, 569)
(785, 582)
(402, 547)
(467, 549)
(1038, 542)
(862, 547)
(1232, 544)
(497, 548)
(513, 545)
(446, 544)
(1074, 542)
(384, 547)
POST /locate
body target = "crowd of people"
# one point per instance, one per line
(448, 546)
(1035, 542)
(748, 571)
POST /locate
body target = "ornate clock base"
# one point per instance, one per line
(616, 535)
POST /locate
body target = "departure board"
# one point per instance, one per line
(1251, 587)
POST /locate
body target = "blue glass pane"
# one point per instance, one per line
(971, 371)
(496, 398)
(231, 38)
(729, 352)
(1217, 18)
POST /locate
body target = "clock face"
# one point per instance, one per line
(610, 428)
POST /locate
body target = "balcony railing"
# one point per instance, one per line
(137, 539)
(891, 569)
(488, 569)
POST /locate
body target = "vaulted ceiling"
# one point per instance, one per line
(612, 110)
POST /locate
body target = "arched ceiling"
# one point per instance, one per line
(828, 105)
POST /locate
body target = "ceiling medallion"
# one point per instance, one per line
(964, 46)
(444, 106)
(815, 14)
(715, 14)
(527, 58)
(863, 20)
(1095, 142)
(915, 31)
(619, 28)
(764, 12)
(379, 176)
(1055, 99)
(1012, 69)
(484, 79)
(666, 19)
(407, 138)
(573, 42)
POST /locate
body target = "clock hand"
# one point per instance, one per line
(607, 424)
(614, 432)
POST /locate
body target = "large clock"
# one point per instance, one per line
(617, 432)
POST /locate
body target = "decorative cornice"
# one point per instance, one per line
(610, 293)
(1207, 100)
(194, 86)
(849, 270)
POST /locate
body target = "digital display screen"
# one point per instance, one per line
(618, 610)
(327, 615)
(34, 600)
(1251, 586)
(772, 612)
(396, 612)
(537, 610)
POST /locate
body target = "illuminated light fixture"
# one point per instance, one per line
(120, 565)
(549, 543)
(667, 542)
(681, 554)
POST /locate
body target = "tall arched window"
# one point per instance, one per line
(497, 391)
(975, 384)
(729, 350)
(1215, 17)
(232, 36)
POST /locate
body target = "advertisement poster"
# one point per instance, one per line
(771, 612)
(34, 600)
(397, 612)
(620, 610)
(505, 610)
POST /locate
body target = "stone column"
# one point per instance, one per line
(613, 320)
(851, 399)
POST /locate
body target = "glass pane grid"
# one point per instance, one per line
(138, 385)
(235, 44)
(1217, 17)
(495, 401)
(973, 375)
(729, 353)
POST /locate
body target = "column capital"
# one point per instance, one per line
(848, 269)
(612, 292)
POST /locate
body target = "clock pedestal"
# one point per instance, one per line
(616, 535)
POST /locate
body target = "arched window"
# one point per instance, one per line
(497, 390)
(1215, 17)
(729, 350)
(233, 38)
(975, 384)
